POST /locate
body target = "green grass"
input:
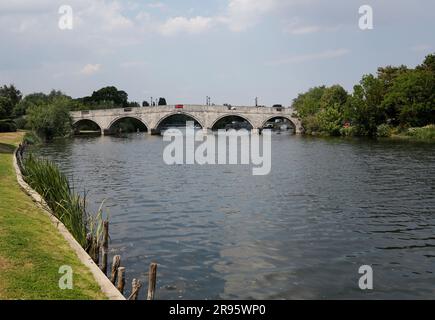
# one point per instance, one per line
(31, 248)
(424, 133)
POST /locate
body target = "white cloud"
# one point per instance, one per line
(157, 5)
(325, 55)
(90, 69)
(243, 14)
(178, 25)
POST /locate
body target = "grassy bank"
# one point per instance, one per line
(31, 248)
(426, 134)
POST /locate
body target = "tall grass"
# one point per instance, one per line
(424, 133)
(70, 208)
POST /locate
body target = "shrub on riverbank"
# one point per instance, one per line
(50, 120)
(424, 133)
(31, 138)
(7, 126)
(384, 131)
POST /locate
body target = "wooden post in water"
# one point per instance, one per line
(105, 246)
(152, 280)
(135, 287)
(115, 265)
(121, 279)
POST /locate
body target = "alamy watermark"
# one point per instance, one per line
(66, 280)
(66, 20)
(366, 19)
(366, 280)
(225, 147)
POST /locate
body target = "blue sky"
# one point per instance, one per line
(230, 50)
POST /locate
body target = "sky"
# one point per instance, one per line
(230, 50)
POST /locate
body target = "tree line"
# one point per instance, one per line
(392, 101)
(48, 114)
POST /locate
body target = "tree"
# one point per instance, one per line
(308, 103)
(412, 98)
(52, 119)
(118, 98)
(428, 63)
(389, 74)
(28, 101)
(364, 107)
(145, 104)
(335, 96)
(330, 120)
(9, 98)
(162, 102)
(133, 104)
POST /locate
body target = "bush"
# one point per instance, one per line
(7, 126)
(384, 131)
(426, 133)
(50, 120)
(349, 131)
(21, 123)
(31, 138)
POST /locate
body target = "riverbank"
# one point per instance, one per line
(31, 248)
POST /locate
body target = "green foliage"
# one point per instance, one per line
(321, 109)
(46, 178)
(9, 98)
(411, 100)
(364, 108)
(7, 126)
(70, 208)
(308, 104)
(424, 133)
(104, 98)
(349, 131)
(52, 119)
(428, 64)
(384, 131)
(31, 138)
(21, 123)
(396, 97)
(330, 120)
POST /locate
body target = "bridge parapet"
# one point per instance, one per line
(207, 116)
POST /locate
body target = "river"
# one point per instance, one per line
(302, 232)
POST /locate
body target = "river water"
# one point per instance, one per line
(328, 207)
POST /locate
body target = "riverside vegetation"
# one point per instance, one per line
(31, 248)
(398, 101)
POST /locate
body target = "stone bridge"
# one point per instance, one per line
(206, 116)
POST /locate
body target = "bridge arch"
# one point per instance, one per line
(92, 125)
(279, 117)
(120, 118)
(186, 114)
(230, 115)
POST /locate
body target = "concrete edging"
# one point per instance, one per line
(105, 284)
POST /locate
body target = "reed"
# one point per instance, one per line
(69, 207)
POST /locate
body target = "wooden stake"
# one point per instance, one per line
(152, 280)
(121, 279)
(115, 265)
(105, 246)
(135, 285)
